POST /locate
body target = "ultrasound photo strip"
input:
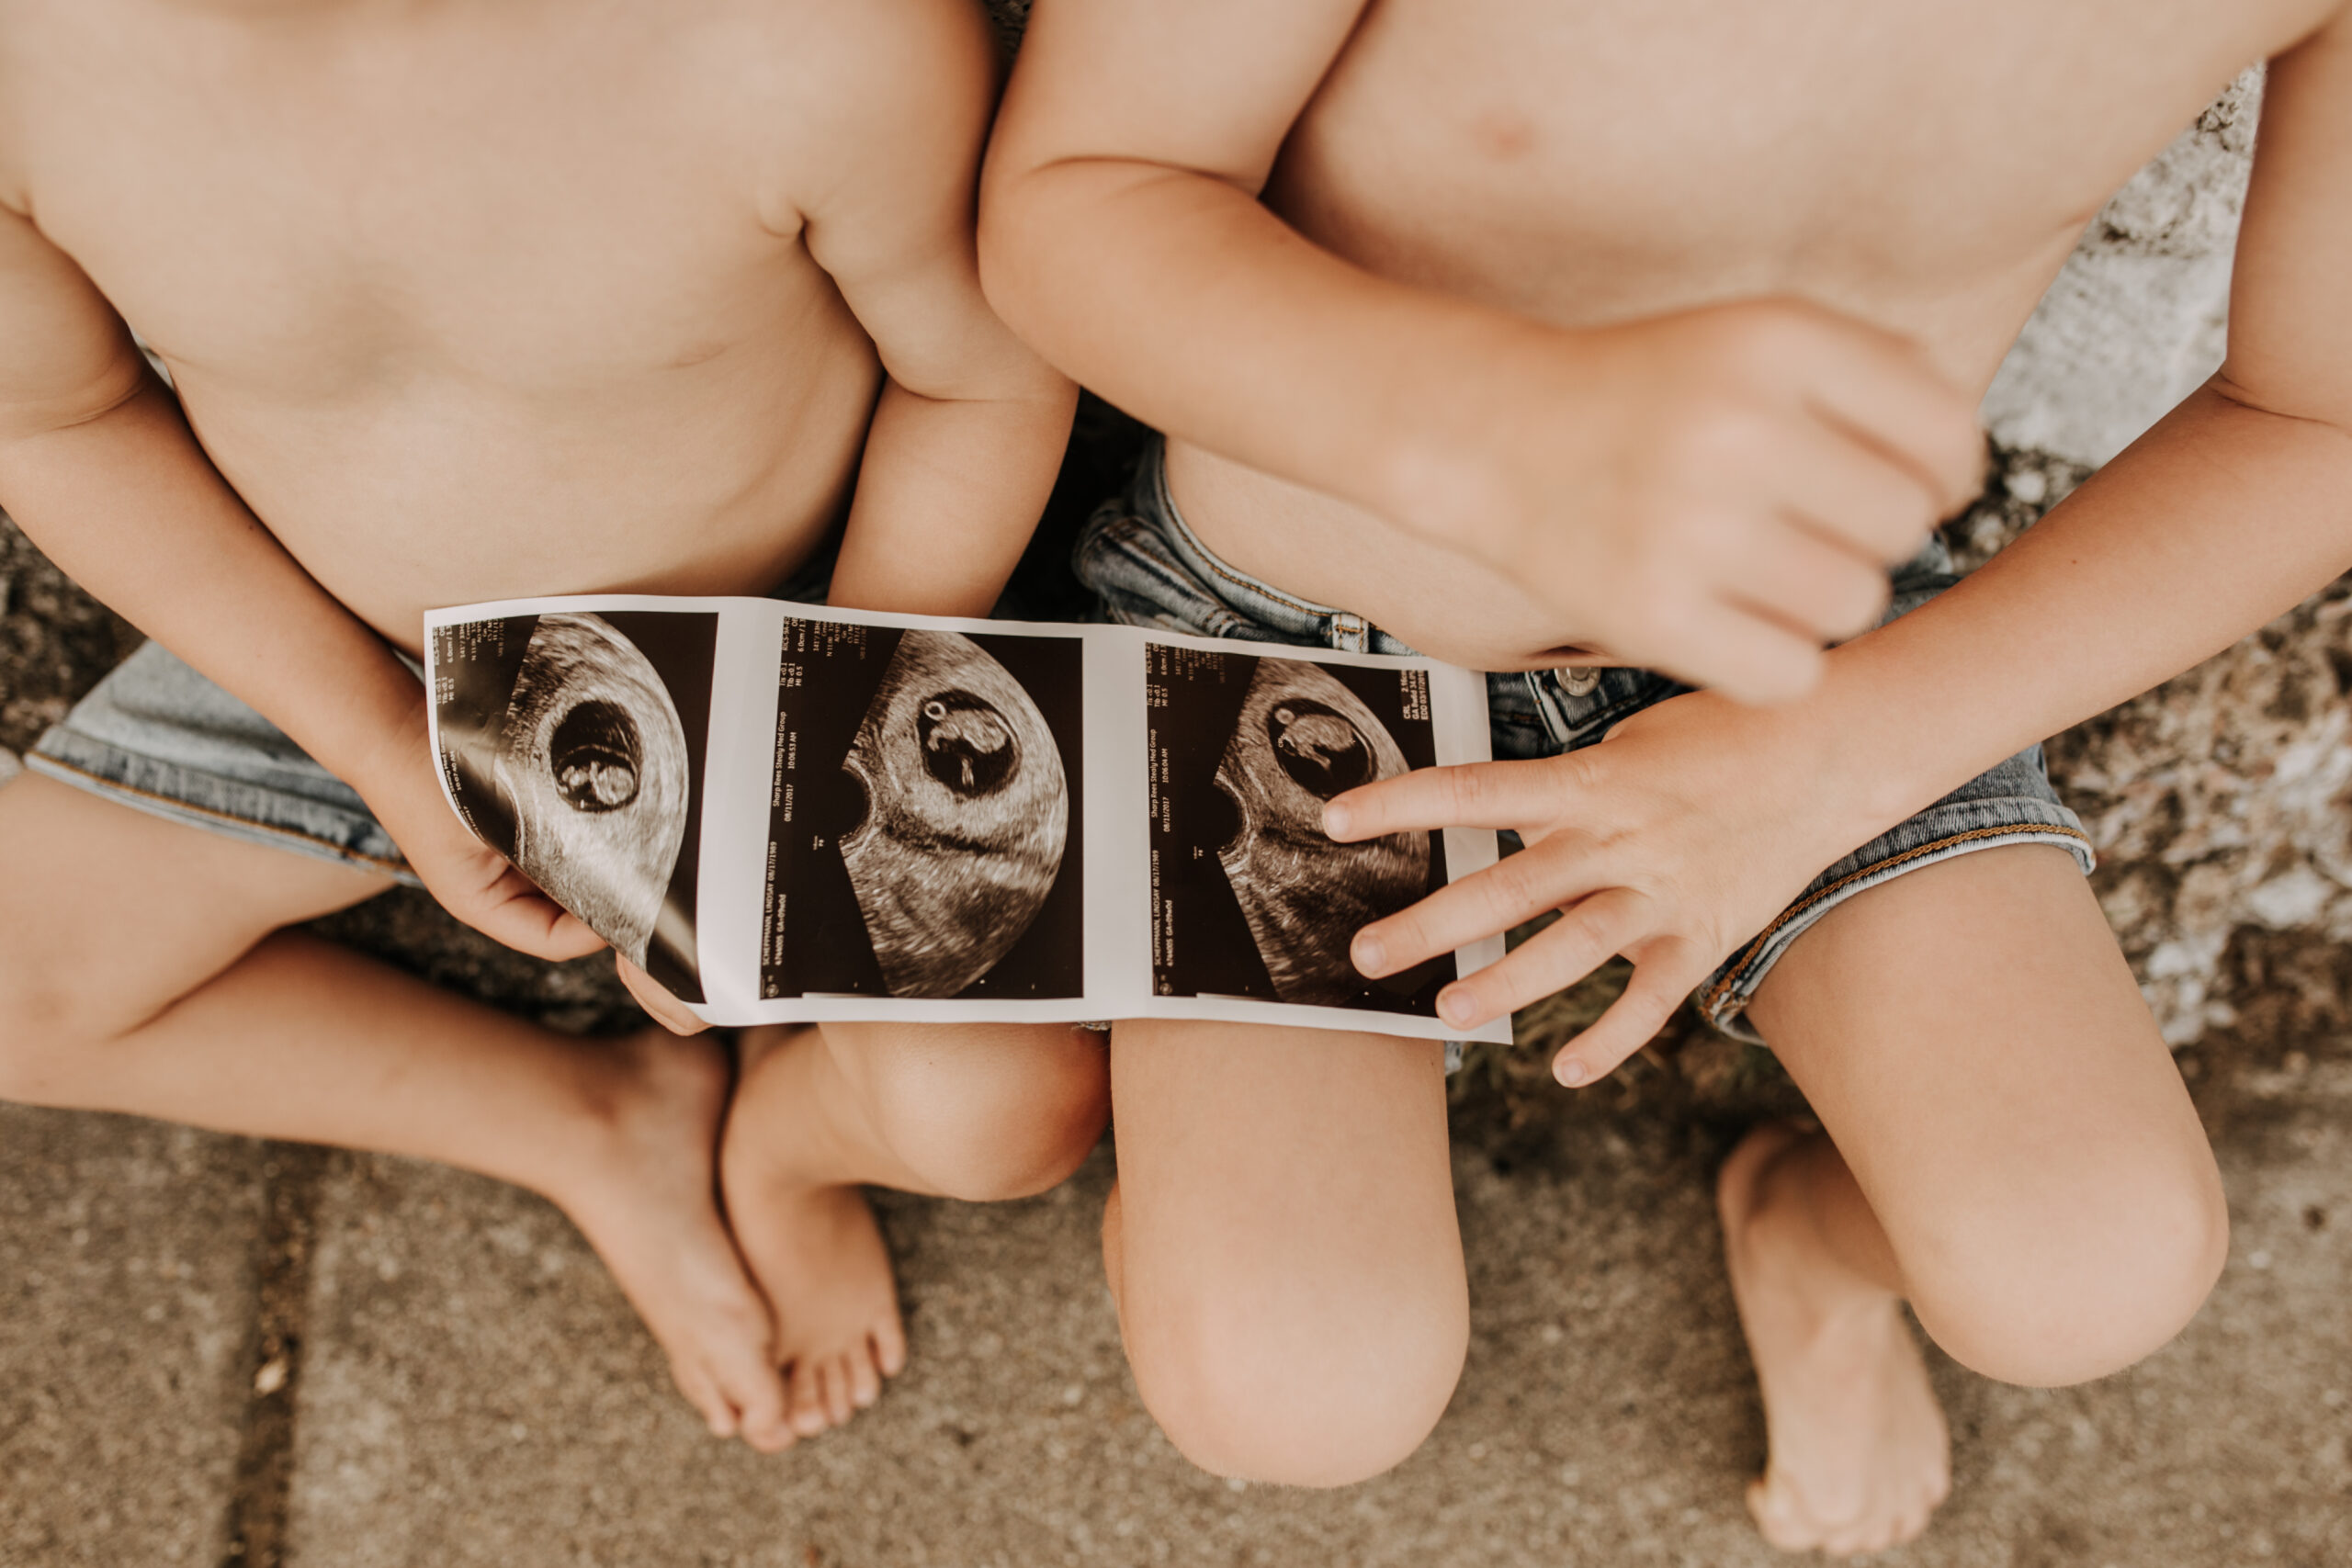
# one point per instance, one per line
(790, 813)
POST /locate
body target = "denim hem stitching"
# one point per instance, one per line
(1722, 987)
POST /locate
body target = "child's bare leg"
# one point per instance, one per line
(2013, 1153)
(975, 1112)
(142, 969)
(1282, 1245)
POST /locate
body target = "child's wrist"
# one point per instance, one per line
(1868, 752)
(387, 748)
(1439, 458)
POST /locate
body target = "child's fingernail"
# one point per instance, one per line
(1371, 955)
(1335, 819)
(1459, 1007)
(1570, 1071)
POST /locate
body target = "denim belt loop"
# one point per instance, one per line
(1350, 633)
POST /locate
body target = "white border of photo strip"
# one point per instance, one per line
(1116, 817)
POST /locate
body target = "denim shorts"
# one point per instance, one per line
(1149, 569)
(157, 735)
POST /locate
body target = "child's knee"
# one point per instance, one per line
(985, 1114)
(1301, 1391)
(46, 1023)
(2083, 1282)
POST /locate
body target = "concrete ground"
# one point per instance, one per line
(218, 1352)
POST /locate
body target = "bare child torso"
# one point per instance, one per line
(467, 301)
(1927, 168)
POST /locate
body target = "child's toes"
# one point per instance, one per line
(758, 1392)
(1778, 1517)
(837, 1390)
(865, 1376)
(716, 1411)
(807, 1404)
(1855, 1538)
(1907, 1528)
(890, 1346)
(773, 1438)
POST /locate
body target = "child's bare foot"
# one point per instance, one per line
(814, 1250)
(647, 1202)
(1858, 1453)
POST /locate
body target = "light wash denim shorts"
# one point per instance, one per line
(157, 735)
(1149, 569)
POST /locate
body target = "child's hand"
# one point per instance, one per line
(1672, 842)
(1714, 493)
(655, 998)
(467, 877)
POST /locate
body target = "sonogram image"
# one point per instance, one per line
(595, 763)
(924, 817)
(966, 815)
(585, 774)
(1302, 739)
(1244, 838)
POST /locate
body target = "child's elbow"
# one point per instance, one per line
(1006, 257)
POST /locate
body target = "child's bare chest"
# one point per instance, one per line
(1927, 164)
(346, 233)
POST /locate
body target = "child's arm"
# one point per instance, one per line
(1695, 822)
(99, 469)
(970, 426)
(968, 432)
(1712, 494)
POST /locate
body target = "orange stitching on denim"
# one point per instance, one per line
(1715, 994)
(42, 760)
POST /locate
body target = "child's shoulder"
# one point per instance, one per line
(826, 92)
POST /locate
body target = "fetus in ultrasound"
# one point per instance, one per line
(1302, 739)
(592, 761)
(966, 813)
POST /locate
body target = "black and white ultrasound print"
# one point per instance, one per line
(924, 816)
(1250, 898)
(573, 744)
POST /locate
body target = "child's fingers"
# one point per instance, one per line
(1883, 390)
(1574, 946)
(1665, 973)
(655, 998)
(1800, 579)
(1854, 495)
(1749, 658)
(1518, 888)
(565, 936)
(532, 922)
(507, 907)
(1471, 794)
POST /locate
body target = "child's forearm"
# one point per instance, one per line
(2222, 517)
(129, 506)
(1712, 491)
(1181, 299)
(948, 494)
